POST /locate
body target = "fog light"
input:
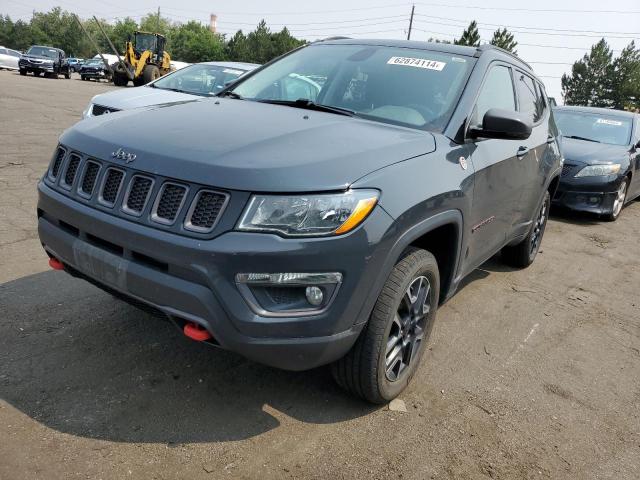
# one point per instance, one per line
(314, 295)
(594, 199)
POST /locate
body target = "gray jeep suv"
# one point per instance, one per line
(319, 210)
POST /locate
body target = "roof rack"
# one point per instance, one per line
(488, 46)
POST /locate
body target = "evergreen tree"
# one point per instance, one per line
(591, 81)
(503, 39)
(470, 37)
(626, 78)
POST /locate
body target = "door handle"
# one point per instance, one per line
(522, 151)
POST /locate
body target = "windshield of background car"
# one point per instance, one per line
(94, 62)
(43, 52)
(200, 79)
(403, 86)
(601, 128)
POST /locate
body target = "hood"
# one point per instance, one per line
(37, 57)
(245, 145)
(126, 98)
(582, 151)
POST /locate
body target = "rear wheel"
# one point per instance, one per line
(524, 253)
(618, 201)
(150, 73)
(388, 351)
(138, 81)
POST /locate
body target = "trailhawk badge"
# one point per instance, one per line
(120, 154)
(463, 163)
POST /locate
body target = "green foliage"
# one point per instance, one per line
(626, 78)
(189, 42)
(261, 45)
(193, 42)
(470, 37)
(591, 79)
(503, 39)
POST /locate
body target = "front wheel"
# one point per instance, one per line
(618, 201)
(524, 253)
(23, 72)
(150, 73)
(388, 351)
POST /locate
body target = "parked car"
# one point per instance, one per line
(44, 60)
(75, 63)
(201, 79)
(302, 232)
(601, 171)
(9, 58)
(95, 69)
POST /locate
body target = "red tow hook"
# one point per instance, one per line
(196, 332)
(56, 264)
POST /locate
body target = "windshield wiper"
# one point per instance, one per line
(578, 137)
(231, 94)
(311, 105)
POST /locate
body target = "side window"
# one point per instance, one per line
(3, 51)
(531, 100)
(14, 53)
(497, 92)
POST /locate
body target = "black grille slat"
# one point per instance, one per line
(101, 110)
(170, 202)
(138, 194)
(57, 163)
(72, 169)
(89, 179)
(112, 185)
(206, 210)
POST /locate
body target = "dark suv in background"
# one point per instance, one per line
(317, 211)
(44, 60)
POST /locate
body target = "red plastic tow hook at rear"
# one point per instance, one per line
(196, 332)
(56, 264)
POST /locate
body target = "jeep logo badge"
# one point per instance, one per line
(120, 154)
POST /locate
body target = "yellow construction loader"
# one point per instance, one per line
(144, 60)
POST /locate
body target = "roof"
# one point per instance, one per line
(240, 65)
(602, 111)
(440, 47)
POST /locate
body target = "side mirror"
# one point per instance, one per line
(503, 124)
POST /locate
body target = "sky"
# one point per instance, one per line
(551, 34)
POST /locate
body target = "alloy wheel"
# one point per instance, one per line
(408, 328)
(618, 202)
(538, 227)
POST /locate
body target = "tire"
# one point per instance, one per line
(120, 79)
(150, 73)
(139, 81)
(83, 78)
(524, 253)
(364, 371)
(23, 72)
(67, 75)
(619, 201)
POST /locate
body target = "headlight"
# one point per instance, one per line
(308, 215)
(598, 170)
(88, 112)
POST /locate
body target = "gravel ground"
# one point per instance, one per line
(529, 375)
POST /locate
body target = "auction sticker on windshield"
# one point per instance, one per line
(606, 121)
(417, 62)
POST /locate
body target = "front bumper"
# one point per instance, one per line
(193, 280)
(36, 67)
(93, 73)
(588, 194)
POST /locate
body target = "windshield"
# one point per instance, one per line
(200, 79)
(409, 87)
(596, 127)
(43, 52)
(94, 61)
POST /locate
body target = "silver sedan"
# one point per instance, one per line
(9, 58)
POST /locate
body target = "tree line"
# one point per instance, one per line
(188, 42)
(598, 79)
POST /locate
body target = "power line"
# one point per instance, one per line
(514, 9)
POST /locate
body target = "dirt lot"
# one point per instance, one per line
(530, 374)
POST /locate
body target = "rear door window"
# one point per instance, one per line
(531, 101)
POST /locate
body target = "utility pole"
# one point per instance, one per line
(413, 7)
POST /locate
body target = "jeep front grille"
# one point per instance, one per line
(71, 170)
(111, 187)
(89, 178)
(164, 203)
(137, 195)
(205, 210)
